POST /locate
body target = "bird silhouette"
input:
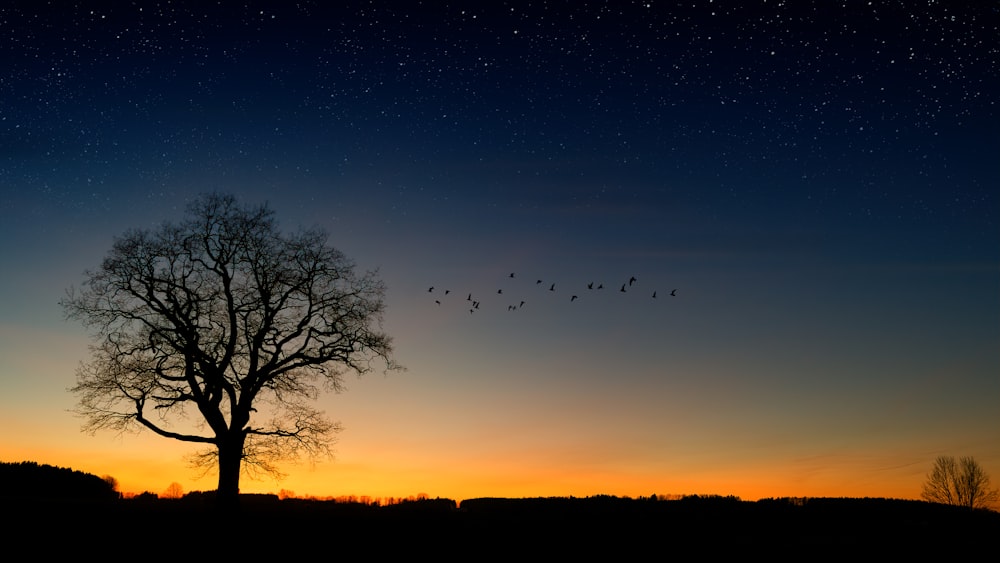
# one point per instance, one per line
(591, 285)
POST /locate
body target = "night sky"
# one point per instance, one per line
(818, 181)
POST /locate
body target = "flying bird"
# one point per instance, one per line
(521, 305)
(590, 285)
(469, 298)
(631, 281)
(622, 289)
(673, 293)
(572, 299)
(553, 287)
(447, 291)
(538, 282)
(654, 295)
(436, 301)
(512, 274)
(600, 286)
(431, 289)
(499, 291)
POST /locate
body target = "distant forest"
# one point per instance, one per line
(27, 479)
(82, 507)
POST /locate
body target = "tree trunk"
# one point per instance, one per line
(230, 459)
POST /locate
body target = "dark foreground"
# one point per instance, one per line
(530, 529)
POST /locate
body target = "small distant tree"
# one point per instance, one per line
(174, 490)
(959, 483)
(111, 481)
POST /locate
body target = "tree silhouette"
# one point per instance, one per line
(960, 483)
(111, 481)
(224, 316)
(174, 490)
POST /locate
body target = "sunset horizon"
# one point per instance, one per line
(357, 477)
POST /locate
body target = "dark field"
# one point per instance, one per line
(528, 529)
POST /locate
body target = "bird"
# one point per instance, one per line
(622, 289)
(590, 285)
(500, 291)
(673, 293)
(654, 295)
(572, 299)
(512, 274)
(631, 281)
(469, 298)
(552, 287)
(447, 291)
(538, 282)
(436, 301)
(431, 289)
(600, 286)
(521, 305)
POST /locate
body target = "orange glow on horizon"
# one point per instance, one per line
(334, 479)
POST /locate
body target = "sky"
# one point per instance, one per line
(816, 180)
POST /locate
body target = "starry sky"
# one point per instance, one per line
(816, 180)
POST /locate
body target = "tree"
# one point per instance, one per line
(223, 316)
(174, 490)
(959, 483)
(112, 482)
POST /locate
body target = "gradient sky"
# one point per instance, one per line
(817, 180)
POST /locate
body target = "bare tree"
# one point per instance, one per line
(224, 317)
(174, 490)
(960, 483)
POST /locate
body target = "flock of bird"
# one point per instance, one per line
(474, 304)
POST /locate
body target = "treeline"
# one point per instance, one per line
(30, 480)
(621, 527)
